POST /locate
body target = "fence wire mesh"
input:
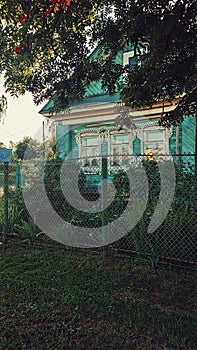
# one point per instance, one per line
(10, 182)
(95, 193)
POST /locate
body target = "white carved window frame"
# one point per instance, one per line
(107, 134)
(131, 137)
(82, 148)
(112, 144)
(148, 127)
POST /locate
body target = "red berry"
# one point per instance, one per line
(17, 50)
(23, 19)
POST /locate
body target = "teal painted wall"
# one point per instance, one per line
(188, 141)
(62, 140)
(66, 140)
(188, 134)
(137, 146)
(181, 138)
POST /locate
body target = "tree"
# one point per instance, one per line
(33, 148)
(46, 50)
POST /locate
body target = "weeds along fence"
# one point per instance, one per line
(10, 182)
(161, 190)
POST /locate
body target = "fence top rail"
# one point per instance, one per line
(135, 155)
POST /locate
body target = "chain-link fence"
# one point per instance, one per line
(141, 205)
(10, 182)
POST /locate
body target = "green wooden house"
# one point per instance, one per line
(88, 123)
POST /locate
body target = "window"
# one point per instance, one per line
(154, 142)
(120, 148)
(130, 59)
(132, 62)
(90, 150)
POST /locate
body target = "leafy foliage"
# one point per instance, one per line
(27, 147)
(28, 231)
(46, 50)
(175, 238)
(65, 209)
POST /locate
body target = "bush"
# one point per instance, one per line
(176, 237)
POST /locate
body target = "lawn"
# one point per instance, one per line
(52, 298)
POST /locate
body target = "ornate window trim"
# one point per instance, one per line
(104, 133)
(151, 126)
(107, 133)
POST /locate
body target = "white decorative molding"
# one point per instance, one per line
(126, 56)
(154, 126)
(78, 139)
(107, 133)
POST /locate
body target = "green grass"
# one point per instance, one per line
(56, 299)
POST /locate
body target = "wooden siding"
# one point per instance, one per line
(62, 140)
(137, 146)
(188, 134)
(66, 140)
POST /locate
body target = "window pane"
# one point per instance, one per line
(116, 150)
(124, 138)
(90, 141)
(90, 151)
(154, 135)
(125, 151)
(132, 62)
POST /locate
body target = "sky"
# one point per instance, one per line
(21, 119)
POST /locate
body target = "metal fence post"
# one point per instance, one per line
(6, 188)
(104, 173)
(195, 160)
(104, 189)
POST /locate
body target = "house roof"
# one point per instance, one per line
(94, 99)
(94, 92)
